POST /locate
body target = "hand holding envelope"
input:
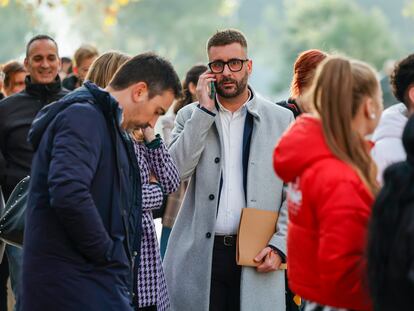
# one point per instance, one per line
(255, 231)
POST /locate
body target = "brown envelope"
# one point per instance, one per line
(255, 231)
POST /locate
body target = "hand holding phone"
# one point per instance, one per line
(206, 90)
(212, 90)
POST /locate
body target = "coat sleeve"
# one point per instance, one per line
(164, 168)
(189, 138)
(343, 220)
(279, 238)
(152, 196)
(75, 155)
(387, 151)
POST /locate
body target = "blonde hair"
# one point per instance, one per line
(338, 91)
(105, 66)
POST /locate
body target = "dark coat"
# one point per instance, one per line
(17, 113)
(84, 208)
(71, 82)
(291, 105)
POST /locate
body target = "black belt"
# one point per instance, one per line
(226, 240)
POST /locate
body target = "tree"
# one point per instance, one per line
(337, 26)
(17, 23)
(175, 29)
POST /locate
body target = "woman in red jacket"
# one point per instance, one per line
(325, 159)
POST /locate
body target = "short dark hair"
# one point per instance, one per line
(402, 77)
(11, 68)
(157, 72)
(227, 36)
(40, 37)
(65, 59)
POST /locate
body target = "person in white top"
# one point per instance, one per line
(388, 148)
(224, 144)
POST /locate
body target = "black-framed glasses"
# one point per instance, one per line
(234, 64)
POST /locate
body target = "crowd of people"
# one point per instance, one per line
(335, 168)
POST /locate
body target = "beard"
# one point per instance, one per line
(239, 86)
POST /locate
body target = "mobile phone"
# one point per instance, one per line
(212, 90)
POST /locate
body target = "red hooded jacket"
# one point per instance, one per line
(329, 209)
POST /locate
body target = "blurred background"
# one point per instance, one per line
(277, 30)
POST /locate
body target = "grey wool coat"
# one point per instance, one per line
(195, 146)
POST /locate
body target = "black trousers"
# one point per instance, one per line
(225, 276)
(152, 308)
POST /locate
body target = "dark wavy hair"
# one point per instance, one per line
(191, 77)
(402, 78)
(390, 249)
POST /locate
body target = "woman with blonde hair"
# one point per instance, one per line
(325, 159)
(104, 67)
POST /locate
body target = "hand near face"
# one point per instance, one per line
(149, 134)
(203, 90)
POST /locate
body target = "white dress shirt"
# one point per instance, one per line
(232, 197)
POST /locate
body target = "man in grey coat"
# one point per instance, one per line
(224, 143)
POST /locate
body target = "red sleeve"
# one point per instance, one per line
(343, 216)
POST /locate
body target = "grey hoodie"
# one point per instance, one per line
(388, 147)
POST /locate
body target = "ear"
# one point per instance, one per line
(250, 66)
(411, 98)
(369, 108)
(138, 90)
(192, 88)
(60, 64)
(26, 63)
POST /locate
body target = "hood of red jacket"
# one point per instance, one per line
(300, 146)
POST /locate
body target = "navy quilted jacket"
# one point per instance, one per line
(84, 209)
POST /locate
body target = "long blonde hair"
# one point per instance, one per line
(339, 88)
(105, 66)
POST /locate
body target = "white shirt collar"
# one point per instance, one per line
(240, 110)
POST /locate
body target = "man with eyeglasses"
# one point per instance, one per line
(224, 144)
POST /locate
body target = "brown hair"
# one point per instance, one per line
(304, 71)
(85, 51)
(339, 88)
(227, 36)
(105, 66)
(157, 72)
(11, 68)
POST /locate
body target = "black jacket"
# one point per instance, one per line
(291, 105)
(83, 214)
(70, 82)
(16, 115)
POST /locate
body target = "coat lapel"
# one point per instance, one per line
(247, 137)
